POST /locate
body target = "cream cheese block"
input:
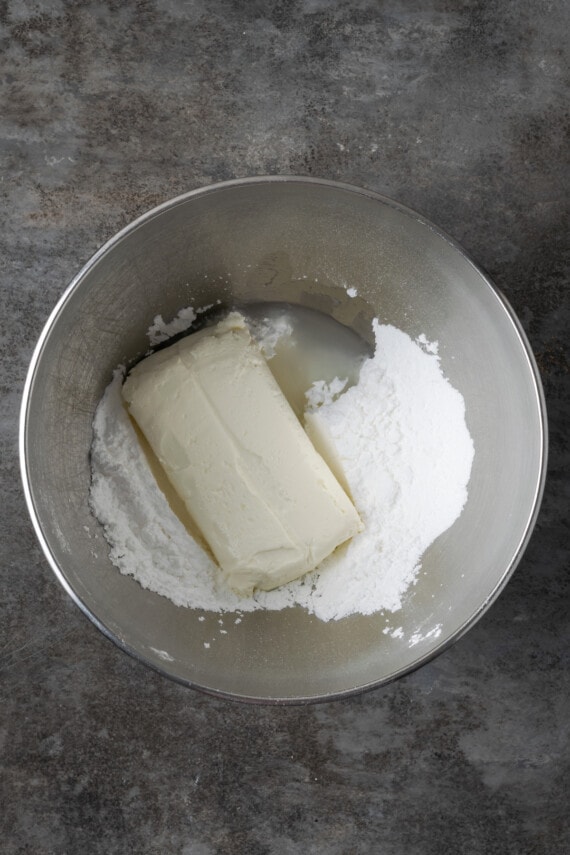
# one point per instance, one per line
(265, 501)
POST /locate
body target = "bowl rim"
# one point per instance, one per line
(422, 220)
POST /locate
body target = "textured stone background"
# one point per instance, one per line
(457, 108)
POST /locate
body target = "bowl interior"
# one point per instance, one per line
(299, 241)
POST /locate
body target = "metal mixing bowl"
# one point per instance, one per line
(302, 241)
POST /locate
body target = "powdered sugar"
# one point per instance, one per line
(401, 437)
(147, 539)
(160, 331)
(324, 393)
(268, 332)
(428, 346)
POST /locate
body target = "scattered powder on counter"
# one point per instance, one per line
(401, 437)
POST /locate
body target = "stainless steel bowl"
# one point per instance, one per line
(297, 240)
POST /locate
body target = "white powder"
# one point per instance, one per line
(401, 436)
(160, 331)
(428, 346)
(268, 332)
(324, 393)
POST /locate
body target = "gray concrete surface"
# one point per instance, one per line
(457, 108)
